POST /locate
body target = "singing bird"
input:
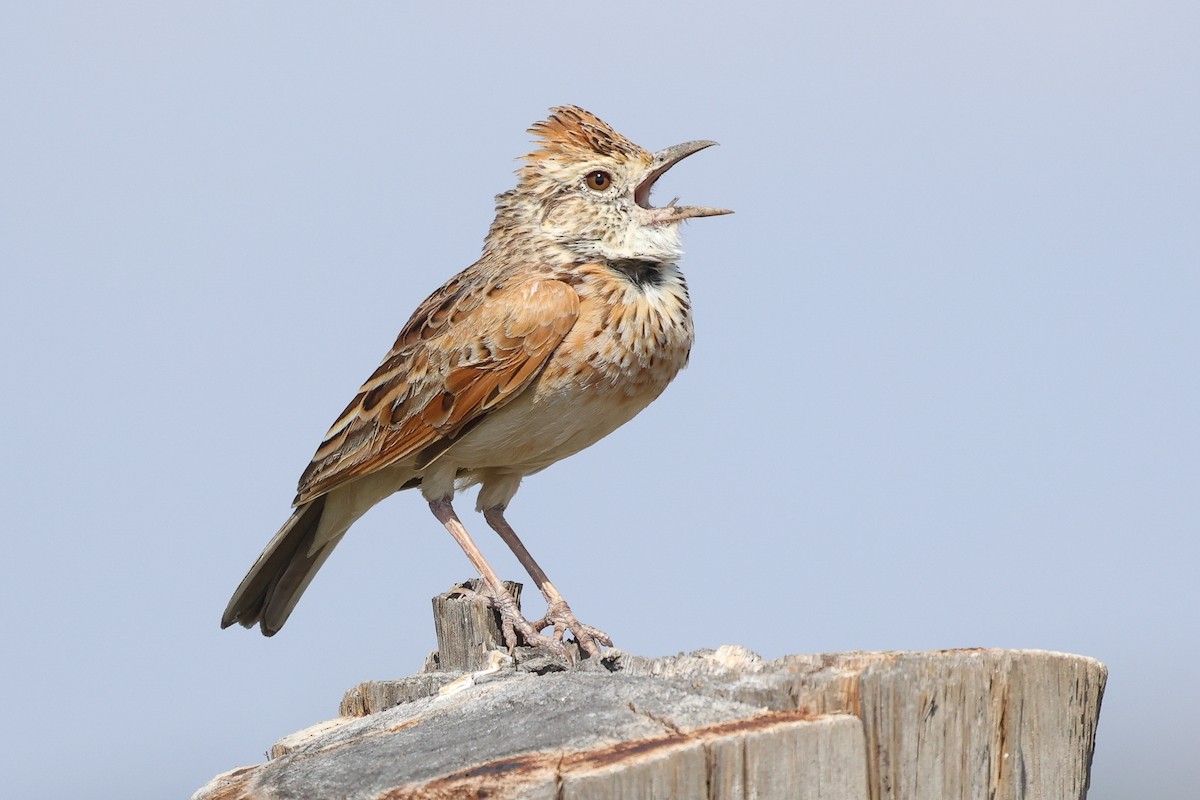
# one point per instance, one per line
(573, 320)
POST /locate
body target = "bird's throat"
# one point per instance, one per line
(641, 272)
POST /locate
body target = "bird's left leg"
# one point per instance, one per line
(558, 613)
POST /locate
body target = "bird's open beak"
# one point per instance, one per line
(663, 161)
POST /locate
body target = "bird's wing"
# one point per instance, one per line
(466, 351)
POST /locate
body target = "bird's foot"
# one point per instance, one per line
(519, 631)
(562, 619)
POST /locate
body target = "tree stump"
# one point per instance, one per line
(724, 723)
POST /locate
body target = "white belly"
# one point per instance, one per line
(532, 432)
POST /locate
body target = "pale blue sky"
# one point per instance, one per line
(944, 391)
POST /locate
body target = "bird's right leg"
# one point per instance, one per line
(558, 613)
(510, 615)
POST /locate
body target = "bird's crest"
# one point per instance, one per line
(572, 134)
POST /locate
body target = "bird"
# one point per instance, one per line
(575, 317)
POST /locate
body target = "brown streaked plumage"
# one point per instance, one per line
(574, 319)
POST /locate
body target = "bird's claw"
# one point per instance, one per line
(517, 630)
(562, 619)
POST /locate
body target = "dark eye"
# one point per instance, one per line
(598, 181)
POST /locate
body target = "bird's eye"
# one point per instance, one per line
(598, 181)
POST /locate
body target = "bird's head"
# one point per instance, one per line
(587, 188)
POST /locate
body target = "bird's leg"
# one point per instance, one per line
(558, 613)
(510, 616)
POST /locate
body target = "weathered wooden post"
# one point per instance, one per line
(715, 724)
(467, 627)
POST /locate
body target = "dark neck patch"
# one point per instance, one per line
(640, 271)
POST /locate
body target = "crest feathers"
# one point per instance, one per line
(573, 133)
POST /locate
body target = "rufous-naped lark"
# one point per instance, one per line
(575, 318)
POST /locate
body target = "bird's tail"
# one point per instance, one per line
(268, 593)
